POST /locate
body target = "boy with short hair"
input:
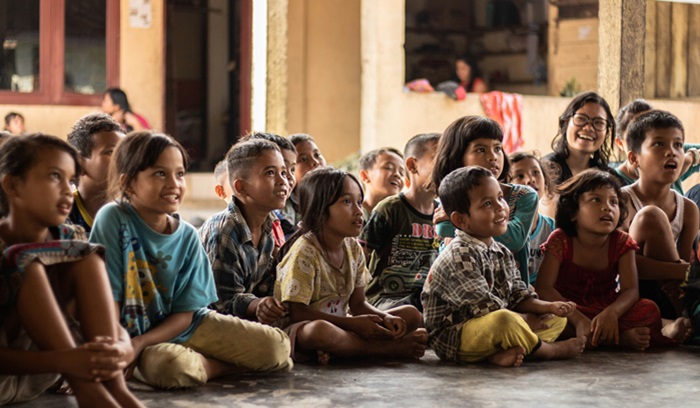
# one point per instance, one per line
(663, 222)
(222, 189)
(239, 240)
(382, 172)
(398, 237)
(473, 297)
(95, 136)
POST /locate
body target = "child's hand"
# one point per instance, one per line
(537, 322)
(110, 357)
(396, 325)
(604, 327)
(269, 309)
(440, 215)
(370, 326)
(95, 361)
(562, 309)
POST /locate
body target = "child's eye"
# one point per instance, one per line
(614, 202)
(109, 152)
(303, 159)
(487, 204)
(536, 172)
(498, 148)
(55, 175)
(595, 199)
(480, 150)
(679, 145)
(159, 174)
(519, 176)
(180, 174)
(658, 144)
(317, 155)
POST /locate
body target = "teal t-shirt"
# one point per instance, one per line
(153, 275)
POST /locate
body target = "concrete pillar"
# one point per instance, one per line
(276, 121)
(621, 33)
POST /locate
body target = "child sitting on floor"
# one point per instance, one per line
(473, 296)
(382, 172)
(161, 277)
(240, 240)
(222, 189)
(323, 277)
(587, 257)
(663, 222)
(526, 169)
(398, 237)
(94, 136)
(47, 266)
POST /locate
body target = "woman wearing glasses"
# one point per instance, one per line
(584, 140)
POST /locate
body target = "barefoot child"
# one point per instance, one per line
(382, 172)
(477, 141)
(585, 257)
(526, 169)
(398, 236)
(47, 265)
(322, 280)
(239, 241)
(161, 277)
(473, 296)
(663, 222)
(94, 136)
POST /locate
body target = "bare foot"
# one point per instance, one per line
(513, 357)
(92, 394)
(120, 392)
(322, 357)
(413, 344)
(679, 330)
(537, 322)
(561, 349)
(637, 338)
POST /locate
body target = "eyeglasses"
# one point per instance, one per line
(582, 120)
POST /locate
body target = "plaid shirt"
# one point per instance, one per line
(242, 272)
(468, 279)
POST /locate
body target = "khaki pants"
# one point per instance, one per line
(241, 343)
(502, 330)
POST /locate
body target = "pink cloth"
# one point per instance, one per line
(506, 109)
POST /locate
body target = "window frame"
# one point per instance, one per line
(52, 59)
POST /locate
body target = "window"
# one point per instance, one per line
(62, 52)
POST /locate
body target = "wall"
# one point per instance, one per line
(141, 76)
(324, 74)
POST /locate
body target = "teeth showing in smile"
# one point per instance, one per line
(281, 194)
(586, 137)
(171, 197)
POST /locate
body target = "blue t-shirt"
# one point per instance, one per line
(545, 226)
(153, 275)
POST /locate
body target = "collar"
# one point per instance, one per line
(243, 228)
(81, 207)
(468, 239)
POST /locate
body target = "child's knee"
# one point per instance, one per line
(651, 220)
(506, 318)
(319, 335)
(169, 365)
(410, 314)
(274, 351)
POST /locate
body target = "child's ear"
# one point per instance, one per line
(238, 187)
(122, 184)
(8, 184)
(219, 191)
(632, 158)
(459, 220)
(618, 143)
(411, 165)
(364, 176)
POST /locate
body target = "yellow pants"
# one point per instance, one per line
(249, 345)
(502, 330)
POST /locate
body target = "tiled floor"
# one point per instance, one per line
(666, 378)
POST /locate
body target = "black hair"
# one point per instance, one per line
(368, 160)
(81, 135)
(418, 144)
(571, 191)
(135, 153)
(19, 154)
(219, 169)
(456, 139)
(646, 121)
(119, 98)
(455, 187)
(242, 155)
(300, 137)
(627, 113)
(281, 142)
(473, 65)
(10, 116)
(520, 156)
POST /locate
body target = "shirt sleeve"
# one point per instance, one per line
(228, 270)
(520, 223)
(298, 271)
(109, 230)
(519, 290)
(556, 244)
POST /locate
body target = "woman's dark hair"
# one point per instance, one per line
(456, 139)
(474, 73)
(119, 98)
(135, 153)
(559, 143)
(318, 190)
(19, 154)
(520, 156)
(571, 191)
(627, 113)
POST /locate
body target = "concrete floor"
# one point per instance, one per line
(665, 378)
